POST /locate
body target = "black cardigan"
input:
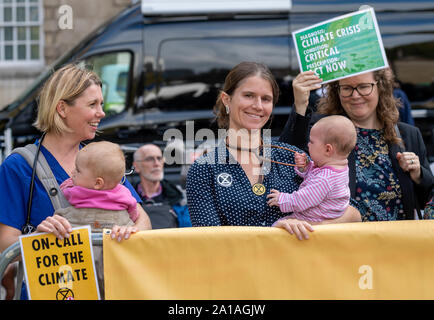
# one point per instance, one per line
(414, 196)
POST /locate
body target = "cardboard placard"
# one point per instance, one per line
(60, 269)
(341, 47)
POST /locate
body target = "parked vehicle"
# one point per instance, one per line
(163, 63)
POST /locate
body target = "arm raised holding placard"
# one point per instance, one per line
(391, 154)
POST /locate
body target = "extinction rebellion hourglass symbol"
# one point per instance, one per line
(65, 294)
(65, 284)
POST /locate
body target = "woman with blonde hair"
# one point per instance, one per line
(70, 110)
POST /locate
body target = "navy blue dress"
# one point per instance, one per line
(219, 192)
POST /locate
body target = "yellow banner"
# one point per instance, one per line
(59, 269)
(375, 260)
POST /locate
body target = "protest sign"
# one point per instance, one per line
(58, 269)
(341, 47)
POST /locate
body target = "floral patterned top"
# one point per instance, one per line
(378, 191)
(429, 210)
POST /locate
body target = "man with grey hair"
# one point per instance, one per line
(164, 202)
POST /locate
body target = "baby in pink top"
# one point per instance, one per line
(96, 196)
(95, 183)
(324, 192)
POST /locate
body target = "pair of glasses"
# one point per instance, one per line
(151, 159)
(364, 89)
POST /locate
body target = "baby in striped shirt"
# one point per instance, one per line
(324, 192)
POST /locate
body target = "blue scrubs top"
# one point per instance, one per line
(15, 177)
(219, 192)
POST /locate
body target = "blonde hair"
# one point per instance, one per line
(105, 159)
(66, 84)
(340, 132)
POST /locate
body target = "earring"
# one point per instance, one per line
(227, 109)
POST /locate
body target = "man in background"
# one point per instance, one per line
(163, 201)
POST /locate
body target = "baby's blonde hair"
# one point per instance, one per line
(106, 160)
(340, 132)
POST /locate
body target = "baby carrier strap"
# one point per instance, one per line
(45, 175)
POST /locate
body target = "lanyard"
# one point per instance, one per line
(28, 227)
(255, 152)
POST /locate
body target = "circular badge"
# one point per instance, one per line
(224, 179)
(64, 294)
(258, 189)
(53, 192)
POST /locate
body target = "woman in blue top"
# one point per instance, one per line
(229, 185)
(70, 109)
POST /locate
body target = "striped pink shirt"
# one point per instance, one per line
(324, 194)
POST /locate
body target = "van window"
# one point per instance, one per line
(113, 69)
(191, 70)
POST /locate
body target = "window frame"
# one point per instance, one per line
(222, 41)
(28, 42)
(84, 61)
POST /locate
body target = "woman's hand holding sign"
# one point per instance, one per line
(302, 85)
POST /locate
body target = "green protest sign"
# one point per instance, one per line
(341, 47)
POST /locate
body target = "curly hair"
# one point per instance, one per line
(387, 111)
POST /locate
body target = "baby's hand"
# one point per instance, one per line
(300, 161)
(273, 198)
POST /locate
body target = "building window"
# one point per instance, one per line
(21, 37)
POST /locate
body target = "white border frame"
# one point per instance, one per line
(91, 253)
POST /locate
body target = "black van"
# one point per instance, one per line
(163, 69)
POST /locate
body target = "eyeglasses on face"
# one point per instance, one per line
(152, 159)
(364, 89)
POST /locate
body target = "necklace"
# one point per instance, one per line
(243, 149)
(258, 188)
(255, 151)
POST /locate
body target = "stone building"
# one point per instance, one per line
(34, 33)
